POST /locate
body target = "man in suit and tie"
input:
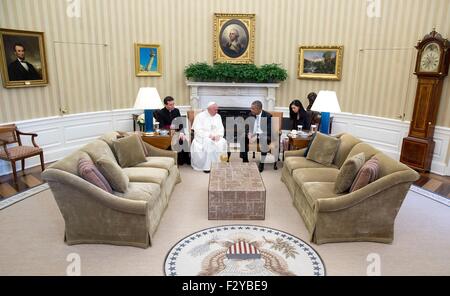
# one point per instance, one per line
(20, 69)
(258, 131)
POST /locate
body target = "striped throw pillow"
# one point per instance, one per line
(89, 172)
(367, 174)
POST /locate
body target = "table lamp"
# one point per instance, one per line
(326, 103)
(148, 99)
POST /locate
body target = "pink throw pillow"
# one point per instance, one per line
(367, 174)
(89, 172)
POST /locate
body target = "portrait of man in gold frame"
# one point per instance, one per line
(234, 38)
(320, 62)
(23, 60)
(148, 60)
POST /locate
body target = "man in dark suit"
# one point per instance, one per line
(165, 117)
(20, 69)
(258, 131)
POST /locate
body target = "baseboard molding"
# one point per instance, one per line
(61, 135)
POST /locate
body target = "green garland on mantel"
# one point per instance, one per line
(225, 72)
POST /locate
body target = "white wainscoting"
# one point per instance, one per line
(387, 136)
(61, 135)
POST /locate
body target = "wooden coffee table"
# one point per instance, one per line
(236, 192)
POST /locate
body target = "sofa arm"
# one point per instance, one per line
(138, 207)
(292, 153)
(154, 151)
(359, 196)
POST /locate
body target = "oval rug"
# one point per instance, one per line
(238, 250)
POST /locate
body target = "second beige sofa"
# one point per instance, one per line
(367, 214)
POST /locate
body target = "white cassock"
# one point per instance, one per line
(205, 151)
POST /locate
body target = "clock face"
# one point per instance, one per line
(430, 59)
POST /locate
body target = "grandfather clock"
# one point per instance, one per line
(431, 68)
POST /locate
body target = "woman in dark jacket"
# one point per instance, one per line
(299, 116)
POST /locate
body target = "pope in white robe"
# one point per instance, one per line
(208, 144)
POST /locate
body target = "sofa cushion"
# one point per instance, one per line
(367, 174)
(369, 150)
(152, 175)
(149, 192)
(158, 162)
(323, 149)
(98, 149)
(89, 172)
(113, 173)
(315, 175)
(293, 163)
(318, 190)
(345, 146)
(348, 172)
(129, 151)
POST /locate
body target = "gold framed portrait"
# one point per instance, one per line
(234, 38)
(320, 62)
(23, 60)
(148, 60)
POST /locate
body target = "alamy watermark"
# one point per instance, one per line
(373, 8)
(74, 267)
(374, 267)
(73, 8)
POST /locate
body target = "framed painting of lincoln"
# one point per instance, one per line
(23, 61)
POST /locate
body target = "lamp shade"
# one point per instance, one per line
(148, 99)
(326, 101)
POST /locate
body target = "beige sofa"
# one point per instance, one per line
(93, 215)
(367, 214)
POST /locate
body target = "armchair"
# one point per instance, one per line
(9, 134)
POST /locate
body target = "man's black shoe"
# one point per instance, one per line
(261, 167)
(206, 172)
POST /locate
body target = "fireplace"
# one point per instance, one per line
(232, 95)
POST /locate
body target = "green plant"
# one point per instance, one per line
(225, 72)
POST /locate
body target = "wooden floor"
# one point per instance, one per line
(435, 183)
(27, 180)
(32, 177)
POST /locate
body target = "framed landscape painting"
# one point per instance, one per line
(148, 59)
(23, 61)
(234, 38)
(320, 62)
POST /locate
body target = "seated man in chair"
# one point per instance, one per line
(259, 131)
(208, 143)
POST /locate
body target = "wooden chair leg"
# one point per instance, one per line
(23, 165)
(13, 166)
(41, 155)
(228, 154)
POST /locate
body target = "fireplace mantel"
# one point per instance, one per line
(239, 95)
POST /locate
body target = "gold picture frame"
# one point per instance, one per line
(23, 59)
(234, 38)
(148, 60)
(320, 62)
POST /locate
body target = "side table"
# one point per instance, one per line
(157, 140)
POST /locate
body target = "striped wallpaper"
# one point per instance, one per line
(91, 58)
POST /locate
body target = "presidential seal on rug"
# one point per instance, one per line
(243, 250)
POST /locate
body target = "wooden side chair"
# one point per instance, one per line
(9, 134)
